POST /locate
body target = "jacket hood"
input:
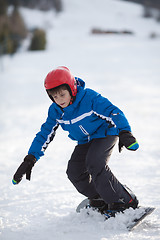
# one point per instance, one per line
(80, 82)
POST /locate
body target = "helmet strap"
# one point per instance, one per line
(72, 100)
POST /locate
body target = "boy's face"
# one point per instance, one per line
(62, 98)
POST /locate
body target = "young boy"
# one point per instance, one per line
(96, 124)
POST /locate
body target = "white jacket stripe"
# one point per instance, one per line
(77, 119)
(84, 115)
(108, 119)
(50, 137)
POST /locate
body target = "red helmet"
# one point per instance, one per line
(60, 76)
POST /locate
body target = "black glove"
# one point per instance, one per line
(25, 168)
(128, 140)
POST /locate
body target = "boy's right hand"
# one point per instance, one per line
(25, 168)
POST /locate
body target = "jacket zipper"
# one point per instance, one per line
(84, 132)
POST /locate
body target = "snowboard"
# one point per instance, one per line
(137, 220)
(134, 220)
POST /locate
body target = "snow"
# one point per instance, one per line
(125, 69)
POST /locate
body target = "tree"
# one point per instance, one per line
(3, 7)
(12, 29)
(38, 41)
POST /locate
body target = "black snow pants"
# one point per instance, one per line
(89, 172)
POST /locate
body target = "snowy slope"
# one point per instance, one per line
(123, 68)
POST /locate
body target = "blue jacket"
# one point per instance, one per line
(90, 116)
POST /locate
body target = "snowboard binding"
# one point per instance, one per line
(111, 209)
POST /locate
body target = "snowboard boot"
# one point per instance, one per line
(121, 205)
(110, 210)
(98, 204)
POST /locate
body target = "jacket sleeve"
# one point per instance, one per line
(44, 136)
(112, 114)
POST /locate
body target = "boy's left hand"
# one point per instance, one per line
(128, 140)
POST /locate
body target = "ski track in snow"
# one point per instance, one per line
(126, 70)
